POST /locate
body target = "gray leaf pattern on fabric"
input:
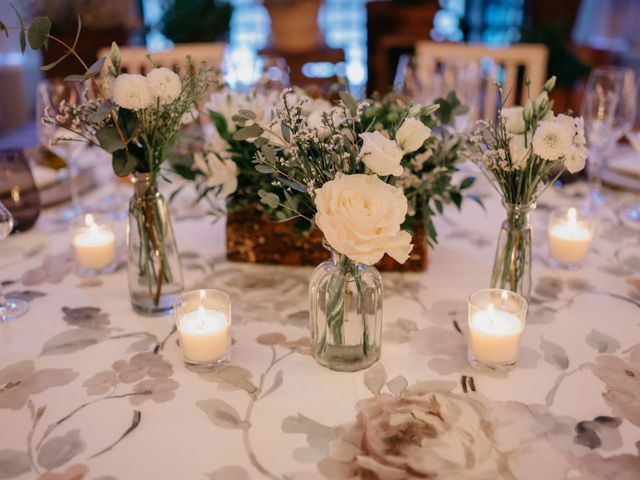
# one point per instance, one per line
(57, 451)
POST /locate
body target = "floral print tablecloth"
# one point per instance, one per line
(88, 389)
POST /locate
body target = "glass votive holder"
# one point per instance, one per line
(570, 234)
(496, 322)
(94, 244)
(203, 321)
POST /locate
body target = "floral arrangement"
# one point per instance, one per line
(136, 119)
(225, 176)
(530, 147)
(524, 153)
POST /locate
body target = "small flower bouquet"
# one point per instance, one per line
(224, 173)
(136, 119)
(525, 152)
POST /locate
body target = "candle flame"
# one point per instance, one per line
(572, 217)
(94, 230)
(201, 308)
(88, 220)
(490, 311)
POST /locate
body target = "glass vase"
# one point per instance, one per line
(155, 274)
(512, 264)
(345, 310)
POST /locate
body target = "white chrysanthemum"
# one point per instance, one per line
(227, 104)
(552, 140)
(575, 158)
(131, 91)
(165, 85)
(513, 119)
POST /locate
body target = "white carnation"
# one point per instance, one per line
(575, 158)
(381, 155)
(552, 140)
(165, 85)
(513, 119)
(131, 91)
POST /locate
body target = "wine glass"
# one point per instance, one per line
(416, 79)
(632, 211)
(608, 108)
(10, 308)
(51, 96)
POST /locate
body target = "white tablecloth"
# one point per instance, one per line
(89, 389)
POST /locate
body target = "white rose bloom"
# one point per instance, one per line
(519, 154)
(575, 158)
(222, 173)
(552, 140)
(412, 134)
(131, 91)
(360, 216)
(165, 85)
(381, 155)
(513, 119)
(316, 122)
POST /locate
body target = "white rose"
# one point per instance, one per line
(360, 217)
(131, 91)
(223, 173)
(519, 154)
(165, 85)
(513, 119)
(412, 134)
(381, 155)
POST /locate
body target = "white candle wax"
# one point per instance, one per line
(94, 247)
(204, 335)
(494, 336)
(569, 240)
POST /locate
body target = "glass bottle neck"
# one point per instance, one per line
(144, 184)
(518, 214)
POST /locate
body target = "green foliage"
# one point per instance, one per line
(189, 21)
(38, 34)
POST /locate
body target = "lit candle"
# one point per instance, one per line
(94, 245)
(569, 237)
(205, 334)
(496, 323)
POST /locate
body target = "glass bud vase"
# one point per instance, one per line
(345, 310)
(512, 264)
(155, 274)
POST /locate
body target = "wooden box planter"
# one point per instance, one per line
(253, 238)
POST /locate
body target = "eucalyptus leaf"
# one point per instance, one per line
(269, 154)
(23, 33)
(49, 66)
(246, 133)
(286, 132)
(3, 28)
(262, 168)
(92, 71)
(467, 182)
(294, 185)
(247, 114)
(38, 33)
(123, 163)
(109, 139)
(268, 198)
(349, 102)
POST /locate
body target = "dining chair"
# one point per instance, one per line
(508, 65)
(134, 59)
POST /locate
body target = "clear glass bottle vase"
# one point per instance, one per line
(155, 274)
(345, 310)
(512, 264)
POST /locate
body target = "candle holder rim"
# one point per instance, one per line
(523, 301)
(226, 302)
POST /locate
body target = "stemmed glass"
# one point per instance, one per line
(608, 108)
(10, 308)
(632, 211)
(51, 94)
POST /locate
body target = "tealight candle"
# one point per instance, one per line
(570, 235)
(94, 244)
(496, 322)
(203, 321)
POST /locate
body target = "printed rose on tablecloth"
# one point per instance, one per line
(622, 379)
(428, 431)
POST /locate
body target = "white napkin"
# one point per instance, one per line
(626, 163)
